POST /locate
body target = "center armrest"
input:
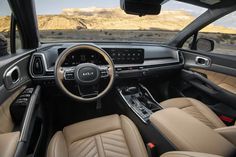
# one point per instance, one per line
(189, 134)
(229, 133)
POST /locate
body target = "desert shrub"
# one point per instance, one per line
(60, 33)
(140, 35)
(149, 35)
(225, 36)
(217, 40)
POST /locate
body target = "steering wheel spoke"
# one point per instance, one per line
(88, 91)
(69, 73)
(104, 70)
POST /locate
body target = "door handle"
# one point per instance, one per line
(12, 77)
(203, 61)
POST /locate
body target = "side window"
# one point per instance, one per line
(5, 25)
(221, 34)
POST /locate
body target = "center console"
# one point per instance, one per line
(139, 100)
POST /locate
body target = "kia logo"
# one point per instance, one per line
(87, 74)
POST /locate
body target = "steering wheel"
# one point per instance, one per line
(85, 76)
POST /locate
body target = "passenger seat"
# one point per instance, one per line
(201, 112)
(187, 154)
(197, 109)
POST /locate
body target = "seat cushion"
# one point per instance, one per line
(197, 109)
(112, 136)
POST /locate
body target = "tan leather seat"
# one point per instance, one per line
(8, 143)
(188, 154)
(113, 136)
(197, 109)
(8, 139)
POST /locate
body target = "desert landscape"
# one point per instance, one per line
(113, 24)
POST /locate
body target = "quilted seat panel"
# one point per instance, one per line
(109, 144)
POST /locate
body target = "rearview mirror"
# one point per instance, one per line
(203, 44)
(141, 7)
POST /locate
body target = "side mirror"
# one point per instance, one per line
(141, 7)
(206, 45)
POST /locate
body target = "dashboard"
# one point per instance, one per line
(118, 55)
(131, 59)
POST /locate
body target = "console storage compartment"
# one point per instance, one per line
(189, 134)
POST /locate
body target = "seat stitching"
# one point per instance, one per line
(118, 154)
(91, 151)
(103, 146)
(112, 150)
(135, 134)
(113, 139)
(82, 145)
(107, 135)
(112, 144)
(83, 150)
(99, 136)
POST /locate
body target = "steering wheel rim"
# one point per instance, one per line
(59, 71)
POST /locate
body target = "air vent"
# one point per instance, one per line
(37, 67)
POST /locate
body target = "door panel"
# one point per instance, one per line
(224, 81)
(9, 91)
(215, 81)
(12, 84)
(217, 62)
(6, 64)
(5, 116)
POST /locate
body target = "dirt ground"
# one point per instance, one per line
(224, 43)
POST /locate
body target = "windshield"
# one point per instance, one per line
(104, 20)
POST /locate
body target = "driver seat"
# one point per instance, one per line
(113, 136)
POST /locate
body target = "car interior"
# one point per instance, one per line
(111, 98)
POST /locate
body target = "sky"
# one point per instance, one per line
(57, 6)
(45, 6)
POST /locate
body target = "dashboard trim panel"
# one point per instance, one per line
(148, 64)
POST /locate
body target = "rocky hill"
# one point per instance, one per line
(114, 18)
